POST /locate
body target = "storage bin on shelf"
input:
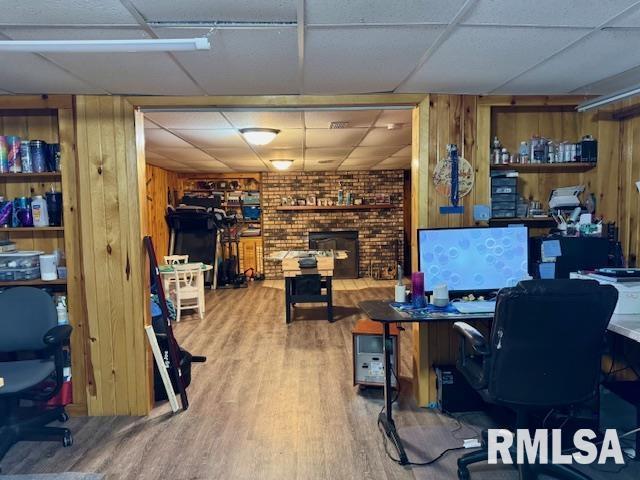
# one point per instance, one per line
(21, 265)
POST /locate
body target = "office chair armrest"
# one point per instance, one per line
(58, 335)
(475, 338)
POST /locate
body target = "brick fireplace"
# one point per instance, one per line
(379, 231)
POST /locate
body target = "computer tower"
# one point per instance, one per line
(368, 360)
(454, 393)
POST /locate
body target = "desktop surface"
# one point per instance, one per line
(383, 311)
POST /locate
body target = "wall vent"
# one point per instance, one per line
(336, 125)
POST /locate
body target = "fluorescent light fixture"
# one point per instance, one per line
(259, 136)
(281, 164)
(105, 46)
(609, 98)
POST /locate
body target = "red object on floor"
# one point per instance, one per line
(64, 396)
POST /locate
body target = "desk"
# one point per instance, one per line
(167, 271)
(381, 311)
(626, 325)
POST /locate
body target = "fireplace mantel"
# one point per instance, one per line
(334, 208)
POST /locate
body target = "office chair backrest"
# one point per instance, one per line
(26, 314)
(547, 341)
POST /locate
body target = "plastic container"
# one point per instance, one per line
(61, 310)
(4, 155)
(13, 154)
(48, 267)
(39, 212)
(39, 154)
(21, 259)
(17, 274)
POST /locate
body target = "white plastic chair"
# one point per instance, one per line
(186, 289)
(176, 259)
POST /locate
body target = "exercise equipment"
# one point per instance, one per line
(228, 274)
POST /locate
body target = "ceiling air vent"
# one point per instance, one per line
(336, 125)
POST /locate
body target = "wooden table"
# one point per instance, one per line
(295, 277)
(167, 272)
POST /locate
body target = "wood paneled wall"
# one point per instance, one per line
(159, 183)
(109, 182)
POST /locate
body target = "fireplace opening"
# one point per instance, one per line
(342, 240)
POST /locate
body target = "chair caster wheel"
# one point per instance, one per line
(67, 440)
(463, 474)
(64, 417)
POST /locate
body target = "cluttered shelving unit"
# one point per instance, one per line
(511, 121)
(50, 120)
(240, 193)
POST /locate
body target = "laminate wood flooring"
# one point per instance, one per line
(271, 402)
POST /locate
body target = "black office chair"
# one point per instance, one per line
(546, 344)
(32, 339)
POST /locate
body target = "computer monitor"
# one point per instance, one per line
(477, 259)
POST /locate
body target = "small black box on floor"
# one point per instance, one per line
(454, 392)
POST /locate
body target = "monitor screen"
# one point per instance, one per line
(473, 259)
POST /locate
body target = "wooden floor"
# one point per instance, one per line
(272, 402)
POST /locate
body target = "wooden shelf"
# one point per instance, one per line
(35, 282)
(31, 229)
(532, 222)
(546, 167)
(293, 208)
(27, 176)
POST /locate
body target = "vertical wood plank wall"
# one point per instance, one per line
(109, 184)
(159, 181)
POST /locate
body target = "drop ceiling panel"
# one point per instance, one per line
(279, 153)
(242, 62)
(289, 138)
(404, 152)
(188, 120)
(222, 138)
(394, 116)
(159, 138)
(65, 12)
(183, 155)
(361, 162)
(334, 138)
(380, 11)
(279, 120)
(348, 60)
(631, 19)
(626, 79)
(36, 75)
(354, 118)
(149, 73)
(234, 154)
(368, 152)
(220, 10)
(384, 137)
(485, 57)
(210, 164)
(314, 154)
(545, 12)
(588, 61)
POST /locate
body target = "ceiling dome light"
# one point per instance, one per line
(281, 164)
(259, 136)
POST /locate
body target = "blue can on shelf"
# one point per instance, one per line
(22, 216)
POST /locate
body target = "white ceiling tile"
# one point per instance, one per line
(362, 161)
(221, 138)
(627, 79)
(277, 120)
(334, 138)
(279, 153)
(380, 11)
(149, 73)
(631, 19)
(485, 57)
(545, 12)
(244, 61)
(226, 11)
(209, 164)
(289, 138)
(36, 75)
(348, 60)
(159, 138)
(385, 137)
(369, 152)
(394, 116)
(188, 120)
(403, 152)
(184, 155)
(354, 118)
(314, 154)
(65, 12)
(234, 154)
(591, 60)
